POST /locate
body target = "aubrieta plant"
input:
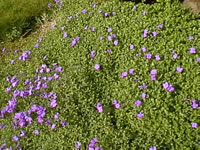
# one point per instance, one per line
(106, 76)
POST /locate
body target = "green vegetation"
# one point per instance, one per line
(171, 117)
(17, 16)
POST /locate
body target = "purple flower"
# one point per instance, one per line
(191, 38)
(59, 69)
(94, 140)
(144, 86)
(92, 54)
(37, 45)
(15, 138)
(22, 134)
(137, 55)
(93, 29)
(148, 56)
(198, 59)
(137, 103)
(53, 26)
(157, 57)
(194, 125)
(179, 69)
(114, 102)
(12, 62)
(101, 38)
(78, 144)
(153, 77)
(36, 132)
(105, 14)
(124, 74)
(115, 42)
(99, 11)
(41, 39)
(65, 35)
(49, 5)
(109, 30)
(144, 13)
(3, 50)
(131, 71)
(109, 38)
(40, 120)
(134, 7)
(48, 122)
(153, 148)
(84, 11)
(117, 106)
(153, 72)
(56, 76)
(131, 47)
(93, 5)
(140, 115)
(53, 126)
(174, 56)
(160, 26)
(99, 107)
(56, 116)
(113, 13)
(154, 34)
(53, 103)
(143, 49)
(63, 123)
(170, 88)
(165, 85)
(145, 33)
(108, 50)
(192, 51)
(143, 96)
(195, 105)
(97, 67)
(113, 35)
(70, 18)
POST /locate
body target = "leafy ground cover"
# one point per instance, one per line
(113, 75)
(20, 16)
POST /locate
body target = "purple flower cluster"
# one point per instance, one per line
(160, 26)
(99, 107)
(157, 57)
(153, 148)
(153, 74)
(145, 33)
(65, 35)
(97, 67)
(25, 55)
(168, 87)
(92, 54)
(195, 105)
(137, 103)
(144, 86)
(131, 47)
(140, 115)
(143, 96)
(78, 144)
(148, 56)
(179, 69)
(125, 74)
(116, 104)
(192, 50)
(194, 125)
(75, 40)
(92, 144)
(191, 38)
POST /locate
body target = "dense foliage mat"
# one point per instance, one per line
(114, 75)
